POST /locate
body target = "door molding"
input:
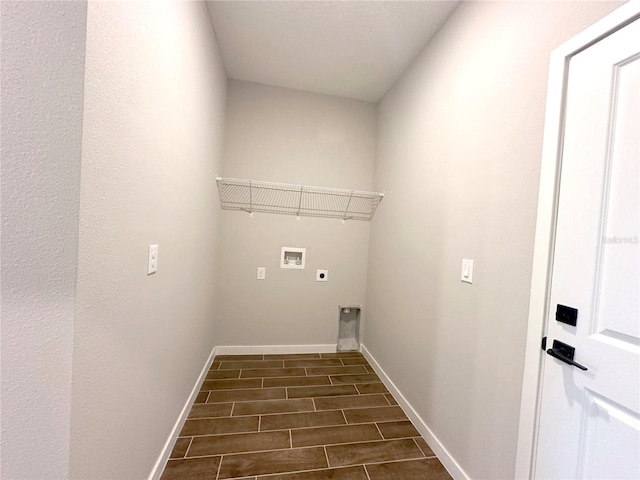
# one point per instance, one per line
(546, 226)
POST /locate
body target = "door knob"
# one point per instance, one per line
(564, 353)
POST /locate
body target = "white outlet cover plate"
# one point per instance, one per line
(322, 275)
(262, 273)
(467, 271)
(152, 264)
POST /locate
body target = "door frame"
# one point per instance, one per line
(546, 226)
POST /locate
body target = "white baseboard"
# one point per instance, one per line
(274, 349)
(454, 469)
(158, 468)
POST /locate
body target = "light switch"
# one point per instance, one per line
(262, 273)
(467, 270)
(152, 265)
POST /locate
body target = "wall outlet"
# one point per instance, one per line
(262, 273)
(152, 265)
(322, 275)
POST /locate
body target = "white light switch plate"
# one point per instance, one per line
(262, 273)
(152, 266)
(467, 271)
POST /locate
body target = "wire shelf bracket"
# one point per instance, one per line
(300, 200)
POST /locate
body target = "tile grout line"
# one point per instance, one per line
(326, 456)
(366, 472)
(219, 467)
(414, 441)
(300, 428)
(267, 475)
(252, 452)
(383, 437)
(315, 446)
(357, 424)
(346, 422)
(232, 390)
(188, 447)
(399, 460)
(297, 472)
(291, 439)
(384, 420)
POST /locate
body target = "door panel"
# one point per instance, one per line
(603, 458)
(590, 420)
(619, 257)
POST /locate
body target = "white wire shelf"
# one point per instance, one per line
(300, 200)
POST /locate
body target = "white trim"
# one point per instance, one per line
(158, 468)
(274, 349)
(545, 227)
(453, 467)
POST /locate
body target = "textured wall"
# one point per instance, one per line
(43, 45)
(282, 135)
(153, 124)
(459, 144)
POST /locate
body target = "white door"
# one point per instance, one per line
(590, 419)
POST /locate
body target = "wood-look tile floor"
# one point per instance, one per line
(298, 417)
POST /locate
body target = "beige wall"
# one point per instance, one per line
(282, 135)
(152, 140)
(43, 45)
(458, 153)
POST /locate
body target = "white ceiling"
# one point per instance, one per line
(353, 49)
